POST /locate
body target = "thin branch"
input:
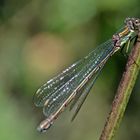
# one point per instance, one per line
(123, 93)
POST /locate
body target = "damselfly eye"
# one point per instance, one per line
(137, 22)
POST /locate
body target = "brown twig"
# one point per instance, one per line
(123, 93)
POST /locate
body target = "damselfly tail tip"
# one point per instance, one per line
(41, 129)
(44, 125)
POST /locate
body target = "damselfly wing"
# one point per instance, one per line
(65, 83)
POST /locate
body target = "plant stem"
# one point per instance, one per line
(123, 93)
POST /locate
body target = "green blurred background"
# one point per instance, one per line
(40, 38)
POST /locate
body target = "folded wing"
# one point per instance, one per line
(58, 92)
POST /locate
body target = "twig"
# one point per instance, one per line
(123, 93)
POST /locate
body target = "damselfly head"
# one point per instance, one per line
(133, 23)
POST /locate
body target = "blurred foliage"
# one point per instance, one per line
(38, 39)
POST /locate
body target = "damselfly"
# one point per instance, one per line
(74, 83)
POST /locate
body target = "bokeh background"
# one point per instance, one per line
(40, 38)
